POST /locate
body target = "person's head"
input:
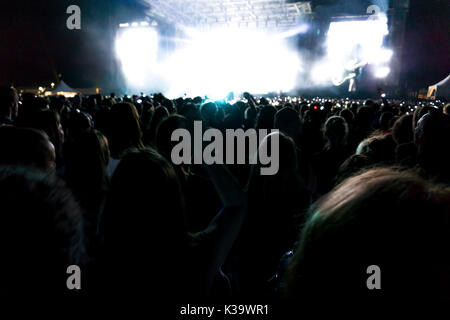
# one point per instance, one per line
(49, 122)
(208, 112)
(380, 148)
(190, 111)
(26, 147)
(402, 131)
(385, 121)
(288, 121)
(159, 115)
(265, 117)
(144, 222)
(392, 220)
(335, 131)
(164, 143)
(87, 156)
(9, 103)
(348, 115)
(287, 168)
(353, 165)
(124, 130)
(41, 233)
(432, 141)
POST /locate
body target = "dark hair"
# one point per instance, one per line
(26, 147)
(124, 131)
(402, 131)
(335, 131)
(391, 219)
(87, 157)
(159, 115)
(41, 233)
(8, 102)
(49, 122)
(144, 223)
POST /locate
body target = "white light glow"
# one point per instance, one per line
(137, 50)
(351, 43)
(225, 60)
(382, 72)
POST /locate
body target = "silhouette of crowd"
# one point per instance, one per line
(89, 181)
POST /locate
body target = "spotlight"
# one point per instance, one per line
(382, 72)
(137, 50)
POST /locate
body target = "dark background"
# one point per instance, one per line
(36, 46)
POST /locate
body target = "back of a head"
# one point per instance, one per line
(385, 120)
(208, 112)
(380, 148)
(26, 147)
(402, 131)
(48, 121)
(164, 142)
(8, 102)
(144, 211)
(124, 130)
(265, 186)
(335, 131)
(265, 118)
(87, 156)
(393, 220)
(41, 233)
(288, 121)
(432, 140)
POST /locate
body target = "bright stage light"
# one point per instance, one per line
(137, 50)
(351, 43)
(217, 62)
(382, 72)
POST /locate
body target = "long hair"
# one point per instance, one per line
(124, 131)
(391, 219)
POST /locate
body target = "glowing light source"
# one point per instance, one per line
(137, 50)
(353, 43)
(382, 72)
(217, 62)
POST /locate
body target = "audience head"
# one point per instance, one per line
(41, 236)
(124, 130)
(9, 103)
(394, 220)
(402, 131)
(26, 147)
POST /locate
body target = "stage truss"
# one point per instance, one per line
(207, 14)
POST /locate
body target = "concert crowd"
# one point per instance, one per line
(89, 181)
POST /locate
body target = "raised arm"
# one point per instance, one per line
(227, 224)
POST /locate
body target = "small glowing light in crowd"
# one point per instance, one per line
(52, 84)
(139, 101)
(41, 89)
(124, 25)
(383, 95)
(382, 72)
(321, 108)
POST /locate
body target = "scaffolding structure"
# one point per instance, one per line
(206, 14)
